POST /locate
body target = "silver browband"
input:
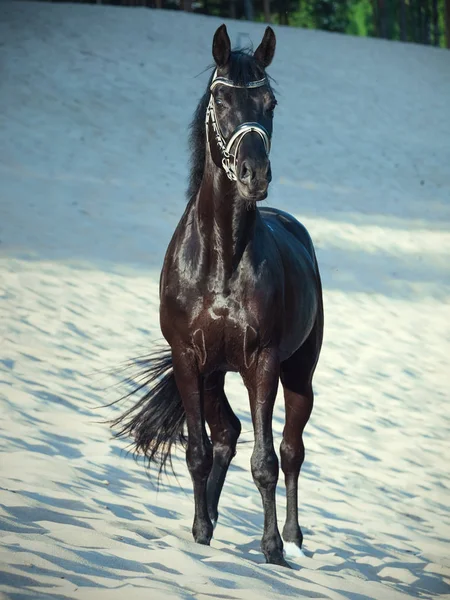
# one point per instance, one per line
(228, 159)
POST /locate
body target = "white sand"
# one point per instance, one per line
(95, 104)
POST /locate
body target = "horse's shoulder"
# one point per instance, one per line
(274, 216)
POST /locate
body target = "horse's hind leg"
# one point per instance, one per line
(225, 430)
(296, 377)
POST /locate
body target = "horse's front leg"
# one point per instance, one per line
(261, 380)
(225, 429)
(199, 455)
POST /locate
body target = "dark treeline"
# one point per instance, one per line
(420, 21)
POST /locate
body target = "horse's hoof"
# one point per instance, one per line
(202, 533)
(291, 550)
(204, 541)
(203, 537)
(277, 559)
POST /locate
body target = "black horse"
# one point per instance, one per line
(240, 291)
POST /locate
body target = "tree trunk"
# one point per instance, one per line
(376, 26)
(426, 22)
(414, 20)
(266, 7)
(232, 9)
(402, 21)
(158, 3)
(435, 23)
(447, 23)
(382, 19)
(248, 10)
(283, 14)
(187, 5)
(420, 20)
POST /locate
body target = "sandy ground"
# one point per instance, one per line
(94, 108)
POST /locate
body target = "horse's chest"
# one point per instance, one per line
(225, 337)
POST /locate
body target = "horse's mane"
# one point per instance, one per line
(243, 68)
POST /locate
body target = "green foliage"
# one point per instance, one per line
(299, 16)
(331, 15)
(441, 22)
(360, 18)
(355, 17)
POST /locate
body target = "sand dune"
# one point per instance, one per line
(95, 104)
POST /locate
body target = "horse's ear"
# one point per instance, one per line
(265, 51)
(221, 48)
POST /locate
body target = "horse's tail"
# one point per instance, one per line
(156, 421)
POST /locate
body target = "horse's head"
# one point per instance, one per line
(240, 114)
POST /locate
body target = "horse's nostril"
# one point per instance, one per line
(247, 174)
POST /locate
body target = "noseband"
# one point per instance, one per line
(229, 159)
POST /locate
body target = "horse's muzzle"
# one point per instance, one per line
(253, 179)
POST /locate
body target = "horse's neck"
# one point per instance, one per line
(226, 225)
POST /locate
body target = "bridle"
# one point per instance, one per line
(228, 158)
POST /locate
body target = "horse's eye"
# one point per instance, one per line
(219, 102)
